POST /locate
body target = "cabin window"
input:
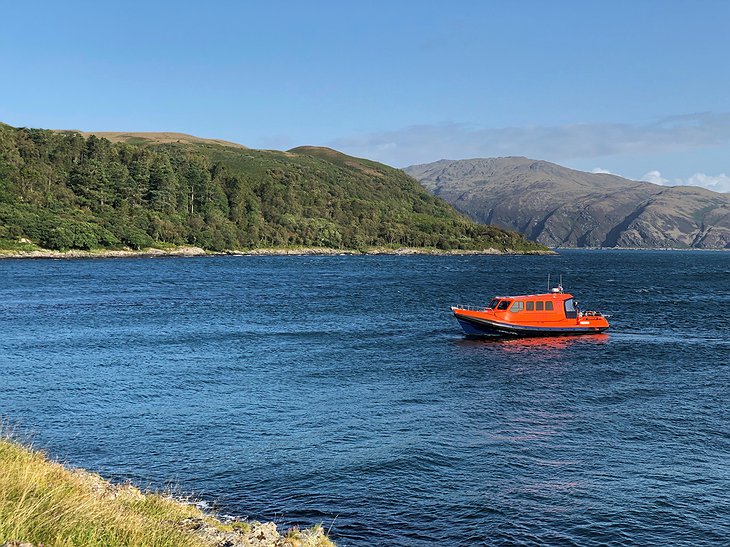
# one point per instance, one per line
(529, 306)
(504, 304)
(548, 306)
(538, 306)
(517, 306)
(570, 311)
(493, 303)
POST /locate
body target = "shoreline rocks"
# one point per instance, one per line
(110, 253)
(190, 251)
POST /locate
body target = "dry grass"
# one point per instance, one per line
(311, 537)
(155, 137)
(44, 503)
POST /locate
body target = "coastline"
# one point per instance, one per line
(190, 251)
(658, 249)
(62, 504)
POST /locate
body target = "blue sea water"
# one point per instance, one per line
(340, 390)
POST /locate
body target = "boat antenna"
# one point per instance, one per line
(548, 282)
(561, 283)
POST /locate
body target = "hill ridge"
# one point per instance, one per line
(150, 137)
(62, 190)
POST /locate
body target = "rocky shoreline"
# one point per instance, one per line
(104, 253)
(219, 531)
(44, 502)
(275, 251)
(657, 249)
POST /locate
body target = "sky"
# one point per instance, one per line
(637, 88)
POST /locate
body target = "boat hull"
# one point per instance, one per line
(481, 327)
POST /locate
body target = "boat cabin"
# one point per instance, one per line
(538, 303)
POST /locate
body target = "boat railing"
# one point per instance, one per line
(469, 307)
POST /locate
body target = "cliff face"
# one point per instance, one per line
(558, 206)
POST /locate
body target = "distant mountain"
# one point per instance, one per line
(562, 207)
(67, 190)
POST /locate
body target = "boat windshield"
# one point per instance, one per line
(493, 303)
(504, 304)
(570, 311)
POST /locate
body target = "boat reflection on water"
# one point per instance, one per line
(555, 343)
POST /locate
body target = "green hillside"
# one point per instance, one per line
(64, 190)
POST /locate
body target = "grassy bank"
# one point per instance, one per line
(44, 502)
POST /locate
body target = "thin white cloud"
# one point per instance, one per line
(719, 183)
(601, 171)
(427, 143)
(655, 177)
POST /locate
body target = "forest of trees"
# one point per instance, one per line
(61, 190)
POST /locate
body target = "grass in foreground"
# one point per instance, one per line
(43, 502)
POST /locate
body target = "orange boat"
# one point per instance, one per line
(549, 314)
